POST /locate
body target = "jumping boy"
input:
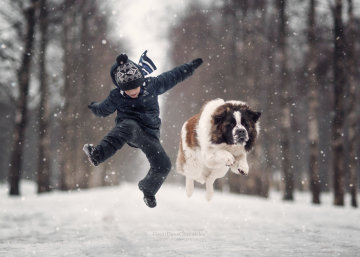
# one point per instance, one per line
(135, 99)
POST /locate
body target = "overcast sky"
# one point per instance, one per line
(144, 25)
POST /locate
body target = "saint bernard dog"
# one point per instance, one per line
(215, 140)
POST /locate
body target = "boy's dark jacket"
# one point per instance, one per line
(145, 108)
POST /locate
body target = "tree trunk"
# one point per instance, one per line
(313, 97)
(231, 13)
(21, 105)
(84, 171)
(67, 174)
(338, 121)
(66, 72)
(284, 104)
(351, 108)
(43, 176)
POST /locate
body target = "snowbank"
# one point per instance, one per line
(116, 222)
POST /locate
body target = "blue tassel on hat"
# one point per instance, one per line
(146, 64)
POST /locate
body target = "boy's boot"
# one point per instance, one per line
(149, 199)
(92, 154)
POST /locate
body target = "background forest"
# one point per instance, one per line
(295, 61)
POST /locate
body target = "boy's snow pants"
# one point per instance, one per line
(129, 131)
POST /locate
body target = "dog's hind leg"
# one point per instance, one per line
(189, 186)
(209, 187)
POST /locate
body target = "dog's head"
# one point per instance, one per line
(234, 123)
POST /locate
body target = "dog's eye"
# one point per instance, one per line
(244, 122)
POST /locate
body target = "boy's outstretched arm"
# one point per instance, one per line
(104, 108)
(169, 79)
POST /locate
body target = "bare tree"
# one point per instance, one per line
(313, 127)
(338, 121)
(284, 102)
(351, 106)
(66, 167)
(43, 176)
(84, 67)
(21, 103)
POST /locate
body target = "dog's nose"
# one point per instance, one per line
(241, 133)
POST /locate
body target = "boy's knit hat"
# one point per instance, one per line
(126, 74)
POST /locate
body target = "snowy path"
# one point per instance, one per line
(115, 222)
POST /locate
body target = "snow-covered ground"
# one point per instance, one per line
(115, 222)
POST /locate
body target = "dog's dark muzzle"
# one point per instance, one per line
(241, 135)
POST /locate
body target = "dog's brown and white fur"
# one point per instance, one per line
(215, 140)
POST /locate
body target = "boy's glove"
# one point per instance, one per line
(196, 63)
(90, 105)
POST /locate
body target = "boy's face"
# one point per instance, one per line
(133, 93)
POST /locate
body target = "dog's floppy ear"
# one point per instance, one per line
(254, 115)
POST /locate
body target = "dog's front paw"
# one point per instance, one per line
(243, 168)
(226, 158)
(242, 172)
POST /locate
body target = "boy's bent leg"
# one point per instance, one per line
(114, 140)
(160, 164)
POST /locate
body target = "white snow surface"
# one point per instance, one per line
(115, 222)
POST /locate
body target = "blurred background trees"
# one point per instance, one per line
(66, 44)
(282, 58)
(295, 61)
